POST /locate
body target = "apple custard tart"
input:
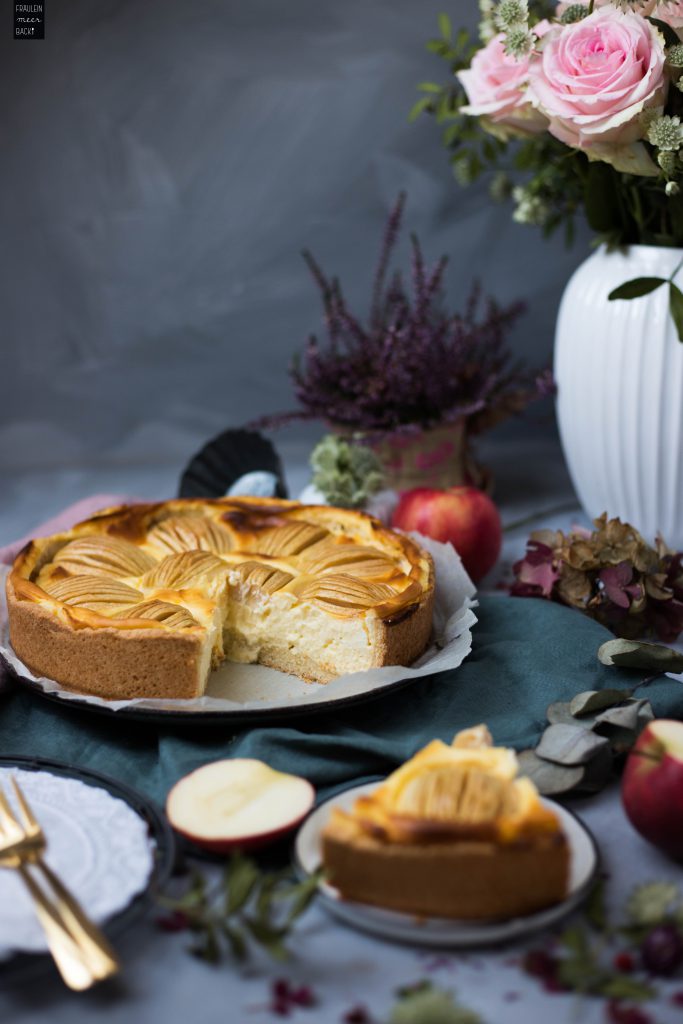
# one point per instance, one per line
(144, 600)
(452, 833)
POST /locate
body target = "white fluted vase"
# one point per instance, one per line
(619, 372)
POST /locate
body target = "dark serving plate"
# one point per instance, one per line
(24, 966)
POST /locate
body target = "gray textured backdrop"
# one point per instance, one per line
(165, 161)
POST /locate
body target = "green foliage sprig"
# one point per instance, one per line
(584, 961)
(247, 906)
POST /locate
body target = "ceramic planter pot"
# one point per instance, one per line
(436, 458)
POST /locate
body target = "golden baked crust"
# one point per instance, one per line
(469, 880)
(142, 600)
(451, 833)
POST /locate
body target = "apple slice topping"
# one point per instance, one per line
(238, 803)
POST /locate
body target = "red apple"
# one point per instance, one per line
(239, 803)
(463, 516)
(652, 786)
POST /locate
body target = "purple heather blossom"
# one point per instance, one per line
(412, 365)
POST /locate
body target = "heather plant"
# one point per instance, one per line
(411, 364)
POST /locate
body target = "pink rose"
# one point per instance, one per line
(496, 85)
(671, 13)
(596, 76)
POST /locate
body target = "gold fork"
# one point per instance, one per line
(80, 950)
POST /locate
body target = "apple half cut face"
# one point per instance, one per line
(238, 804)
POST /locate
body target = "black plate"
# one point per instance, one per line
(214, 718)
(24, 966)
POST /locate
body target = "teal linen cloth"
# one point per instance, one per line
(526, 654)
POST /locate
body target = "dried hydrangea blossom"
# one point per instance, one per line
(611, 574)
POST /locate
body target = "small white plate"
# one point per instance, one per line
(440, 931)
(97, 843)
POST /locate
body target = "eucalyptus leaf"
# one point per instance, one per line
(620, 740)
(596, 700)
(599, 771)
(636, 288)
(676, 308)
(569, 745)
(550, 779)
(638, 654)
(626, 717)
(558, 713)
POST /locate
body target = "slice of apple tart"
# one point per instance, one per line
(142, 601)
(451, 833)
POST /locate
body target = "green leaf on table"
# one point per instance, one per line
(267, 935)
(302, 895)
(569, 745)
(426, 1004)
(636, 288)
(620, 986)
(429, 87)
(638, 654)
(207, 946)
(241, 876)
(652, 903)
(236, 941)
(595, 700)
(596, 908)
(676, 308)
(550, 779)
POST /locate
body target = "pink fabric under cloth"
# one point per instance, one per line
(65, 519)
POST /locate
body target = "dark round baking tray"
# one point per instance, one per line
(24, 966)
(217, 718)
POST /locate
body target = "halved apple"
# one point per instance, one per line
(239, 803)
